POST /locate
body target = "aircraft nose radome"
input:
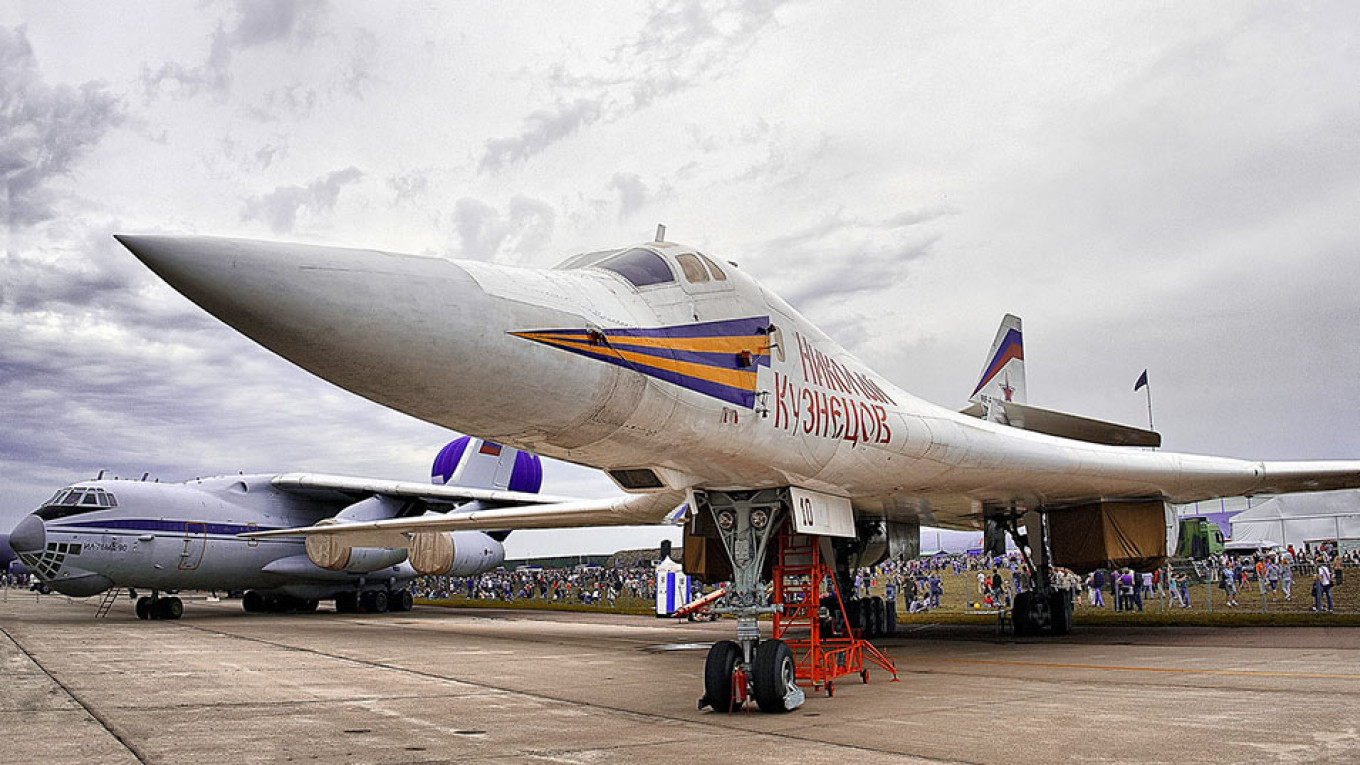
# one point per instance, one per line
(29, 536)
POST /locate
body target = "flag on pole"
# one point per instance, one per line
(1142, 382)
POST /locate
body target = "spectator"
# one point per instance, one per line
(1322, 585)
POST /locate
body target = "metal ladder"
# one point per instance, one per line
(110, 596)
(819, 659)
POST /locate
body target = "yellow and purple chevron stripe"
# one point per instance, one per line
(717, 358)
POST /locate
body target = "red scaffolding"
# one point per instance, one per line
(824, 648)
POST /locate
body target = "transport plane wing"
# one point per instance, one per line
(676, 372)
(626, 510)
(319, 485)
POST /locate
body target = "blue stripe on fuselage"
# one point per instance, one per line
(174, 527)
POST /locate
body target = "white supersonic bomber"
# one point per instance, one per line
(684, 379)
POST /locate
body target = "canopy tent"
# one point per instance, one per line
(1298, 519)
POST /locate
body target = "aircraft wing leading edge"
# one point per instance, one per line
(316, 484)
(628, 510)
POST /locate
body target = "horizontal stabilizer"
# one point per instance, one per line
(1065, 425)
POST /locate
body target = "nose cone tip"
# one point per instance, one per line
(29, 536)
(151, 249)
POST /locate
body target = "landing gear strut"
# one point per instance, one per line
(747, 522)
(1044, 609)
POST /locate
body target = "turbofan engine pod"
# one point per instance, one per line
(456, 553)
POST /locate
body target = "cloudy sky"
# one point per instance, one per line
(1173, 187)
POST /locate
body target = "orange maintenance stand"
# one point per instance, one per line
(824, 647)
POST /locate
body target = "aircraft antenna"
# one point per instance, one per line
(661, 232)
(146, 475)
(100, 477)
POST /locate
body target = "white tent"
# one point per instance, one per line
(1300, 519)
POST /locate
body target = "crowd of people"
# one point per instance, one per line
(1272, 575)
(918, 585)
(582, 585)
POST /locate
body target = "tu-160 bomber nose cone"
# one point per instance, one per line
(415, 333)
(30, 536)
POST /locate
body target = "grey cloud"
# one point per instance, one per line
(361, 60)
(280, 207)
(632, 193)
(686, 42)
(839, 256)
(542, 129)
(44, 130)
(258, 23)
(681, 44)
(484, 233)
(409, 186)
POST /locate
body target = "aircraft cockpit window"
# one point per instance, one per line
(74, 501)
(694, 270)
(584, 260)
(717, 272)
(640, 267)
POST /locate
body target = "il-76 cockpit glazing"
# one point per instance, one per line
(75, 500)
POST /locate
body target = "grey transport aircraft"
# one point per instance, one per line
(104, 535)
(684, 379)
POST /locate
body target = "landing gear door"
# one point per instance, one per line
(195, 541)
(821, 514)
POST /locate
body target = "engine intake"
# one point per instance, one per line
(457, 553)
(328, 552)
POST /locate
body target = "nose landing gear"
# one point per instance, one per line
(770, 670)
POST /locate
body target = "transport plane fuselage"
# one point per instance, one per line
(195, 535)
(183, 536)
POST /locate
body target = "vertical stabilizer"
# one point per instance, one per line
(478, 464)
(1003, 376)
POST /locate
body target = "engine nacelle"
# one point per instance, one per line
(328, 552)
(456, 553)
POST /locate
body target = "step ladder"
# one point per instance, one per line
(824, 646)
(110, 596)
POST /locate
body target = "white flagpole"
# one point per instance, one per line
(1148, 387)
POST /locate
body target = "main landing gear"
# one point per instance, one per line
(156, 607)
(373, 601)
(1045, 609)
(269, 603)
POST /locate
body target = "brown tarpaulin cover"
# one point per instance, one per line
(1108, 535)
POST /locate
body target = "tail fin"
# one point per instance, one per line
(1003, 378)
(477, 464)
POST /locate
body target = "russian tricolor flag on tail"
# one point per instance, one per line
(1003, 377)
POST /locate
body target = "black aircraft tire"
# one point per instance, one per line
(373, 602)
(401, 600)
(1061, 606)
(347, 603)
(722, 658)
(880, 614)
(890, 618)
(773, 673)
(252, 602)
(307, 606)
(143, 608)
(174, 608)
(1020, 615)
(854, 613)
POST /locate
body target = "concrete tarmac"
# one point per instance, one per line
(462, 686)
